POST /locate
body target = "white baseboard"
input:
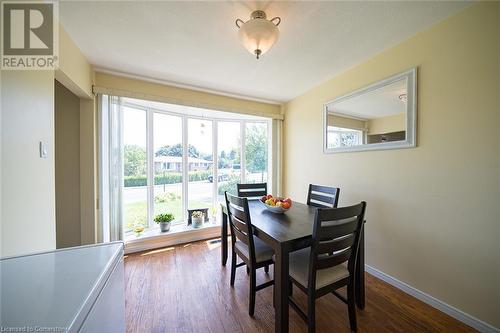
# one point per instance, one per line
(465, 318)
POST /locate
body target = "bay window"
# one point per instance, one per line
(175, 158)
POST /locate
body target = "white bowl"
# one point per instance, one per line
(274, 209)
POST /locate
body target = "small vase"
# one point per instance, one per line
(197, 222)
(138, 230)
(164, 226)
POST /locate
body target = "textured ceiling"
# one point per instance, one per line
(378, 103)
(196, 43)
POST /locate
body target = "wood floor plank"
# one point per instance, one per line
(184, 289)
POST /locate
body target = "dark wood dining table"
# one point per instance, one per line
(286, 233)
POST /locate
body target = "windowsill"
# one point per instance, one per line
(174, 229)
(178, 234)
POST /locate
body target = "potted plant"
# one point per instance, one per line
(197, 218)
(164, 221)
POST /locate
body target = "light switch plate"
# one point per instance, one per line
(44, 150)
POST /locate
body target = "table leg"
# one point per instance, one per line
(223, 239)
(359, 283)
(281, 281)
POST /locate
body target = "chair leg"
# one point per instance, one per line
(266, 269)
(311, 313)
(233, 267)
(274, 298)
(351, 307)
(274, 286)
(248, 270)
(253, 283)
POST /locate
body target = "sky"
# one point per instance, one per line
(168, 131)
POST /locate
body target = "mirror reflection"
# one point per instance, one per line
(376, 116)
(380, 116)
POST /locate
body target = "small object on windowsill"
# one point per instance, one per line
(164, 221)
(213, 217)
(138, 229)
(197, 218)
(191, 211)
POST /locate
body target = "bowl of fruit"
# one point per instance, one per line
(276, 204)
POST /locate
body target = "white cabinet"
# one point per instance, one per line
(78, 289)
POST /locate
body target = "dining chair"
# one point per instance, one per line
(252, 191)
(323, 196)
(253, 252)
(330, 262)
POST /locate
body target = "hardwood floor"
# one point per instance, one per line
(185, 289)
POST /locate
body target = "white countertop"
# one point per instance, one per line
(54, 289)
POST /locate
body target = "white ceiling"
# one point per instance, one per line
(196, 43)
(378, 103)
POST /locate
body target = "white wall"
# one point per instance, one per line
(27, 181)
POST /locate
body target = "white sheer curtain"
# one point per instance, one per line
(276, 156)
(110, 168)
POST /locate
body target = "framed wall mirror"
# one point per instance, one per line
(380, 116)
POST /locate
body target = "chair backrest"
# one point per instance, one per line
(323, 196)
(239, 222)
(252, 191)
(336, 235)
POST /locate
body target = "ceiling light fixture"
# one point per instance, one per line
(258, 34)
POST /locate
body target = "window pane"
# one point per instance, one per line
(200, 167)
(228, 145)
(134, 168)
(167, 140)
(343, 137)
(256, 152)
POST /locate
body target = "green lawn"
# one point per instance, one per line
(136, 212)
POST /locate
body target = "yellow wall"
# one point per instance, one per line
(339, 121)
(77, 74)
(28, 181)
(74, 71)
(387, 124)
(27, 219)
(433, 218)
(164, 93)
(67, 166)
(88, 171)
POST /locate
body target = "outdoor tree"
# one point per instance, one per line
(134, 160)
(223, 160)
(176, 150)
(232, 154)
(256, 149)
(207, 157)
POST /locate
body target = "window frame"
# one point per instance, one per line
(150, 111)
(361, 133)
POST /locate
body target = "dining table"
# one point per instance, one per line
(285, 233)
